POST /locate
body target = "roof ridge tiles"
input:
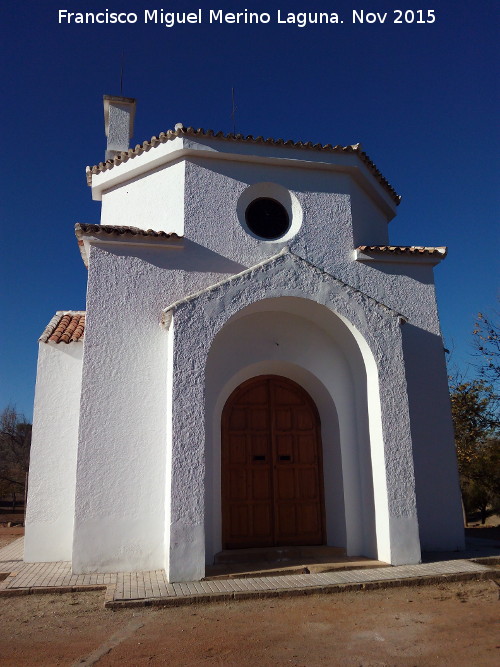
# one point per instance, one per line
(122, 230)
(290, 143)
(441, 251)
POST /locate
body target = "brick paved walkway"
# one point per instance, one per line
(139, 588)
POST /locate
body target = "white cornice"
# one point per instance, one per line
(183, 149)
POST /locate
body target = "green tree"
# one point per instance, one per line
(481, 486)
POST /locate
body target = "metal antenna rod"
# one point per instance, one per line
(233, 112)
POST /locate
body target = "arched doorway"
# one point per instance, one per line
(272, 475)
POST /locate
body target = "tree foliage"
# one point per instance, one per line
(15, 443)
(473, 419)
(481, 485)
(476, 438)
(487, 344)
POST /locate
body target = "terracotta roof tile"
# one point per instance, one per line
(67, 326)
(440, 251)
(122, 231)
(163, 137)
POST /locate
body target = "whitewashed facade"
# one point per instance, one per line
(178, 318)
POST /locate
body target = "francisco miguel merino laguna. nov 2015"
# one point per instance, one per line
(218, 16)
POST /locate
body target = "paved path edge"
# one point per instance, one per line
(235, 596)
(204, 598)
(150, 589)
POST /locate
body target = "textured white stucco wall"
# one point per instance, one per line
(334, 211)
(131, 448)
(120, 486)
(51, 486)
(436, 473)
(219, 151)
(211, 219)
(410, 290)
(377, 331)
(152, 201)
(203, 193)
(370, 224)
(118, 125)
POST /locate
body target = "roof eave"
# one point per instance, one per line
(168, 143)
(401, 254)
(88, 234)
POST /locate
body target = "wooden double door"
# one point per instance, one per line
(272, 477)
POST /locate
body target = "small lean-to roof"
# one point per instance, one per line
(121, 233)
(429, 251)
(111, 230)
(67, 326)
(181, 131)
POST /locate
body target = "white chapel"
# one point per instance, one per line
(257, 366)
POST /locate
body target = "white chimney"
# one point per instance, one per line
(119, 114)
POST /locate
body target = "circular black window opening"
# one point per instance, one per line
(267, 218)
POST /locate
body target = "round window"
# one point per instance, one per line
(267, 218)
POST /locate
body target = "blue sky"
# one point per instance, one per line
(421, 98)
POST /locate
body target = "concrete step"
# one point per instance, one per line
(276, 561)
(279, 554)
(263, 569)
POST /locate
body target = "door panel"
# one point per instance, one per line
(285, 484)
(239, 520)
(272, 481)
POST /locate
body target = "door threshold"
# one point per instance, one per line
(275, 561)
(278, 554)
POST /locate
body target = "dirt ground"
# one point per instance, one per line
(453, 624)
(447, 624)
(8, 535)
